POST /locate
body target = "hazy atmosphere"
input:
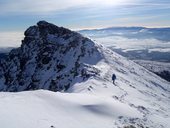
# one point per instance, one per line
(17, 15)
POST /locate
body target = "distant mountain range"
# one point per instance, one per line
(137, 43)
(131, 32)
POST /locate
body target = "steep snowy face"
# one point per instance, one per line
(162, 69)
(50, 57)
(134, 86)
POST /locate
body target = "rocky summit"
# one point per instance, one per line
(50, 57)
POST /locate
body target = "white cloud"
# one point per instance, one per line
(159, 50)
(134, 44)
(46, 6)
(10, 39)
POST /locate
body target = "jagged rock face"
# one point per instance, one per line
(50, 57)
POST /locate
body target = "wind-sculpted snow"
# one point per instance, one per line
(57, 59)
(44, 109)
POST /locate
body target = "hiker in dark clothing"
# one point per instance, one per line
(113, 78)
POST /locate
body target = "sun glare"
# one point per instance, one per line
(106, 2)
(117, 2)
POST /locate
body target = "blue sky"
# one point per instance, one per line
(17, 15)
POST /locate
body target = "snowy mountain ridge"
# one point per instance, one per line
(50, 57)
(57, 59)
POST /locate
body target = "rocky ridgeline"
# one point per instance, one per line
(50, 57)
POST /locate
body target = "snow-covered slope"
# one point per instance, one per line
(135, 86)
(160, 68)
(138, 99)
(44, 109)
